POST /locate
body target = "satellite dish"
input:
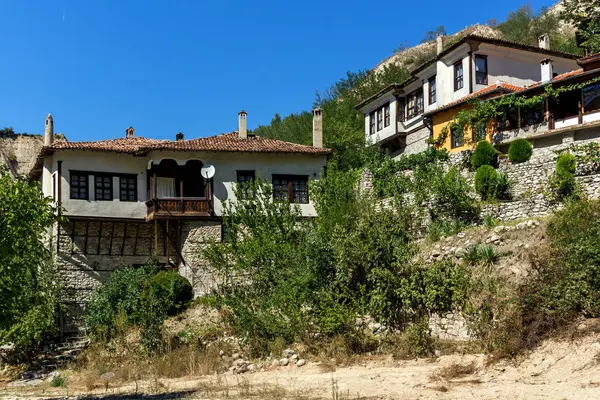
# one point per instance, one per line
(208, 171)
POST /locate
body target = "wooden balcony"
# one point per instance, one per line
(179, 208)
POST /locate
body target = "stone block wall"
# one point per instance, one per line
(196, 236)
(449, 326)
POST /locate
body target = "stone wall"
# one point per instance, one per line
(90, 250)
(416, 142)
(449, 326)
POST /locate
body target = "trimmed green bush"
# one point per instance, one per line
(173, 290)
(486, 179)
(484, 154)
(563, 182)
(520, 151)
(566, 164)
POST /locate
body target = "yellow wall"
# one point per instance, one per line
(443, 118)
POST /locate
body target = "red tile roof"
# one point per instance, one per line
(499, 86)
(229, 142)
(559, 77)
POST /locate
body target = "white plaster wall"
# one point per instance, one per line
(517, 67)
(591, 117)
(102, 162)
(385, 132)
(265, 165)
(226, 165)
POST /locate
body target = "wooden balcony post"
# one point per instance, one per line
(181, 205)
(580, 109)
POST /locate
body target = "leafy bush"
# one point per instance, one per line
(173, 289)
(562, 182)
(58, 381)
(502, 191)
(419, 338)
(30, 294)
(484, 154)
(120, 295)
(520, 151)
(486, 180)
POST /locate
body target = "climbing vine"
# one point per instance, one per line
(481, 112)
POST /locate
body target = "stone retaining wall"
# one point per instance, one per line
(449, 326)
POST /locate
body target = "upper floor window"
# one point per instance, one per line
(128, 188)
(457, 137)
(401, 109)
(432, 90)
(458, 76)
(79, 185)
(103, 186)
(293, 188)
(245, 179)
(379, 120)
(415, 103)
(481, 69)
(372, 123)
(386, 115)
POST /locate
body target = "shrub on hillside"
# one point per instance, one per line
(484, 154)
(486, 180)
(520, 151)
(174, 290)
(563, 183)
(502, 191)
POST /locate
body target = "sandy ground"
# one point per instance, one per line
(556, 370)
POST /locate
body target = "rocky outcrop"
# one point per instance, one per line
(19, 151)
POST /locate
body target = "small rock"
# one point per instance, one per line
(52, 375)
(294, 358)
(493, 238)
(499, 229)
(288, 353)
(521, 225)
(461, 235)
(239, 362)
(437, 353)
(221, 353)
(275, 363)
(284, 362)
(251, 367)
(235, 356)
(530, 224)
(301, 363)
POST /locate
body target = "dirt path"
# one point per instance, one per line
(556, 370)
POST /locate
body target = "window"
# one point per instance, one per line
(245, 177)
(457, 137)
(401, 109)
(479, 132)
(591, 97)
(386, 115)
(103, 186)
(481, 69)
(415, 103)
(293, 188)
(458, 76)
(507, 119)
(372, 123)
(379, 120)
(432, 90)
(128, 188)
(79, 185)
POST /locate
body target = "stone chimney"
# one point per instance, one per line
(318, 128)
(129, 132)
(242, 131)
(49, 131)
(179, 137)
(547, 70)
(440, 43)
(544, 41)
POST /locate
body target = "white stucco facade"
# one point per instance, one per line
(507, 63)
(226, 165)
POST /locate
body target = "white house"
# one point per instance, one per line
(130, 199)
(394, 116)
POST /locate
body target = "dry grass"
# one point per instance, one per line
(456, 371)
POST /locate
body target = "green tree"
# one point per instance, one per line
(585, 16)
(28, 290)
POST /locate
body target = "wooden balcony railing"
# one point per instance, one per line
(179, 207)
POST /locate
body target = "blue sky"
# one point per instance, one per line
(190, 66)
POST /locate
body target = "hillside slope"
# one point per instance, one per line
(19, 151)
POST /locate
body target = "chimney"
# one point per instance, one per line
(318, 128)
(544, 41)
(243, 133)
(440, 43)
(129, 132)
(547, 70)
(49, 131)
(179, 137)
